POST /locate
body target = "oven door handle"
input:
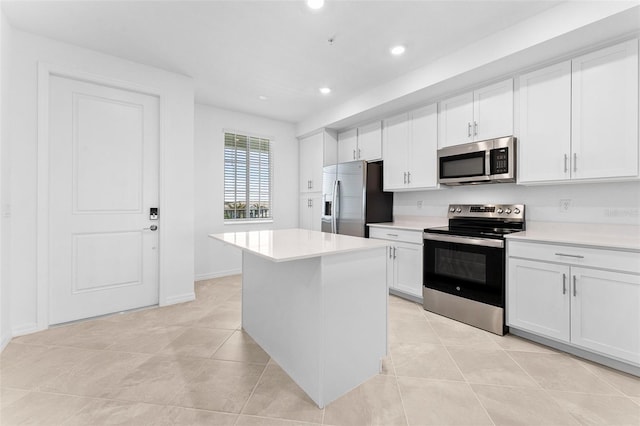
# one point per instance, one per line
(486, 242)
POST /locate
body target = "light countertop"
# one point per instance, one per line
(412, 223)
(283, 245)
(622, 237)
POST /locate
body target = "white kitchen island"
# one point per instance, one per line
(317, 304)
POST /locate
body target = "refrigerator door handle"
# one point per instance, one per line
(336, 205)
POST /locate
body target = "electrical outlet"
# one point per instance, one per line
(564, 205)
(419, 204)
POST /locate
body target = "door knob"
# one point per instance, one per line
(151, 228)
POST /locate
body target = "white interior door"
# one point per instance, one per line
(103, 179)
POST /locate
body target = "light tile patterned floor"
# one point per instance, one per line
(192, 364)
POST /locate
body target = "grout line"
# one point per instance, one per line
(252, 392)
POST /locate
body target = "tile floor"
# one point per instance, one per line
(191, 364)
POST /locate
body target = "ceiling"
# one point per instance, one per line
(239, 50)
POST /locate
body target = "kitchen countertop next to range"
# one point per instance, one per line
(607, 236)
(412, 223)
(283, 245)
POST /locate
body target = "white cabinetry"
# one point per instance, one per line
(485, 113)
(579, 119)
(588, 298)
(544, 140)
(311, 211)
(310, 163)
(404, 260)
(409, 148)
(315, 151)
(605, 113)
(362, 143)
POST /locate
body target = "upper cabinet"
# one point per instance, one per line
(544, 140)
(605, 113)
(362, 143)
(485, 113)
(315, 151)
(579, 119)
(409, 150)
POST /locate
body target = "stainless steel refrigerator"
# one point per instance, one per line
(352, 196)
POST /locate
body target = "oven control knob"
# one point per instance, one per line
(516, 210)
(500, 211)
(452, 209)
(508, 211)
(458, 210)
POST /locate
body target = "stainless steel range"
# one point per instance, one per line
(464, 264)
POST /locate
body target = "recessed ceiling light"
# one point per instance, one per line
(262, 98)
(325, 90)
(315, 4)
(397, 50)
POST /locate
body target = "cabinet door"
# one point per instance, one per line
(455, 120)
(538, 298)
(422, 155)
(348, 145)
(544, 142)
(605, 113)
(370, 142)
(330, 156)
(310, 211)
(310, 163)
(493, 111)
(304, 218)
(408, 268)
(395, 152)
(605, 312)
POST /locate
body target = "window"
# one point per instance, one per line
(247, 177)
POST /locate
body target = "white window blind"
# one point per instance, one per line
(247, 177)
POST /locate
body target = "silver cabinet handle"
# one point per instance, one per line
(390, 252)
(354, 154)
(394, 252)
(310, 202)
(469, 129)
(359, 156)
(475, 128)
(408, 177)
(575, 162)
(392, 235)
(564, 283)
(576, 256)
(574, 286)
(565, 162)
(405, 178)
(151, 228)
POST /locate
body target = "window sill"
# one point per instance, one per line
(247, 222)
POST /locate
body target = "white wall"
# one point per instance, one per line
(176, 93)
(212, 257)
(5, 325)
(612, 203)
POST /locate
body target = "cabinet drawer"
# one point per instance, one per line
(396, 235)
(580, 256)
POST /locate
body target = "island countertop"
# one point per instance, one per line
(283, 245)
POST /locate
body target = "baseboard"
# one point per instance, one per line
(4, 342)
(591, 356)
(26, 329)
(180, 298)
(202, 277)
(404, 295)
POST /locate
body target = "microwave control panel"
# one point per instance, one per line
(499, 161)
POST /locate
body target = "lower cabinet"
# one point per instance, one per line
(590, 308)
(310, 211)
(404, 260)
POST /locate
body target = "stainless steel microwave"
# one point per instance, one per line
(489, 161)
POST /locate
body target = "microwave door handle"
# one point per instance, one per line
(487, 162)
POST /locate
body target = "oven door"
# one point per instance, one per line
(472, 268)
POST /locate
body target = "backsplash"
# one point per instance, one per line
(612, 202)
